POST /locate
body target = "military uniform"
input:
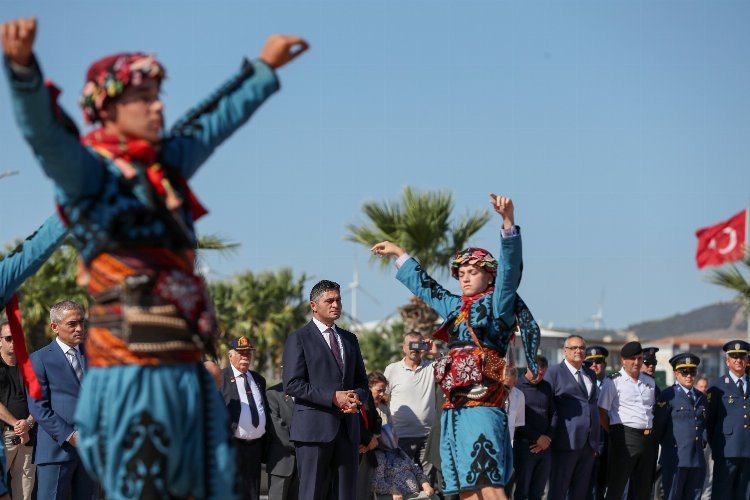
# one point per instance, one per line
(680, 427)
(728, 427)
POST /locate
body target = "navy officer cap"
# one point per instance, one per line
(596, 352)
(241, 344)
(684, 360)
(631, 349)
(649, 354)
(736, 347)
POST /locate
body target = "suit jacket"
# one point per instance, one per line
(576, 418)
(312, 376)
(680, 428)
(54, 412)
(231, 397)
(279, 448)
(728, 414)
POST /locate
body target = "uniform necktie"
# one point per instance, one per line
(333, 343)
(691, 398)
(741, 386)
(73, 360)
(251, 401)
(582, 383)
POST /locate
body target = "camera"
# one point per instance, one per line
(419, 346)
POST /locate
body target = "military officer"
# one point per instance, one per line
(728, 425)
(596, 359)
(680, 427)
(626, 410)
(649, 365)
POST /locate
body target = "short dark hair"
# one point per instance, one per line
(541, 361)
(376, 378)
(322, 287)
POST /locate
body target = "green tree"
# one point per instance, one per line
(265, 307)
(381, 346)
(735, 277)
(422, 223)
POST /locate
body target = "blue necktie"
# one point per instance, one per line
(251, 401)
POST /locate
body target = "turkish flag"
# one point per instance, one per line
(721, 243)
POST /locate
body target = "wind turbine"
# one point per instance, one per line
(354, 287)
(598, 317)
(8, 173)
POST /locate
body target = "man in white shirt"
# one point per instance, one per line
(626, 410)
(244, 393)
(411, 385)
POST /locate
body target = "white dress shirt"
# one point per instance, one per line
(629, 402)
(586, 380)
(245, 429)
(322, 329)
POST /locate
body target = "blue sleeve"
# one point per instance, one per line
(423, 286)
(42, 410)
(29, 256)
(508, 279)
(73, 168)
(197, 134)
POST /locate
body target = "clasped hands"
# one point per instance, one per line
(347, 401)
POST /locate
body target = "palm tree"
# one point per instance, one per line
(419, 222)
(733, 278)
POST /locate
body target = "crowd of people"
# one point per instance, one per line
(127, 400)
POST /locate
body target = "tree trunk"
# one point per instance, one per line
(419, 318)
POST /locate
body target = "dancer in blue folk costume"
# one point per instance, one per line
(15, 268)
(475, 448)
(150, 421)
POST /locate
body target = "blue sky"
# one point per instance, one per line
(618, 127)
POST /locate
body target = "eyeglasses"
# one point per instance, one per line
(8, 338)
(649, 364)
(576, 347)
(687, 371)
(737, 355)
(597, 362)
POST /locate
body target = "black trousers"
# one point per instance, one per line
(328, 471)
(631, 457)
(248, 467)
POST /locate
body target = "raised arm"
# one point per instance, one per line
(510, 261)
(69, 164)
(197, 134)
(29, 256)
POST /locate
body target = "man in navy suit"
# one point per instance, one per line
(575, 423)
(60, 367)
(728, 425)
(244, 393)
(325, 374)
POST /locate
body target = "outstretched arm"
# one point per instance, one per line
(73, 168)
(197, 134)
(29, 256)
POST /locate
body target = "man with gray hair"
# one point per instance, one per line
(411, 385)
(60, 367)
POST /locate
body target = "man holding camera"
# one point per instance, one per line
(411, 385)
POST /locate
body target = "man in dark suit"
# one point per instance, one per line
(244, 393)
(60, 367)
(281, 464)
(325, 373)
(575, 423)
(728, 427)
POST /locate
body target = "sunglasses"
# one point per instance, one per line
(687, 371)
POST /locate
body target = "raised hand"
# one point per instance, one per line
(18, 39)
(503, 206)
(386, 248)
(281, 49)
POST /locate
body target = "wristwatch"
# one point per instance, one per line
(31, 423)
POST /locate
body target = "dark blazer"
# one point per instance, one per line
(280, 450)
(680, 428)
(232, 397)
(576, 418)
(312, 376)
(727, 417)
(54, 412)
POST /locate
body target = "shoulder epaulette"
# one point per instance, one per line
(614, 375)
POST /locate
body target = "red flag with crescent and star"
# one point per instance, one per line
(721, 243)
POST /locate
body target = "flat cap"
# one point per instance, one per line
(631, 349)
(736, 347)
(649, 354)
(596, 352)
(241, 344)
